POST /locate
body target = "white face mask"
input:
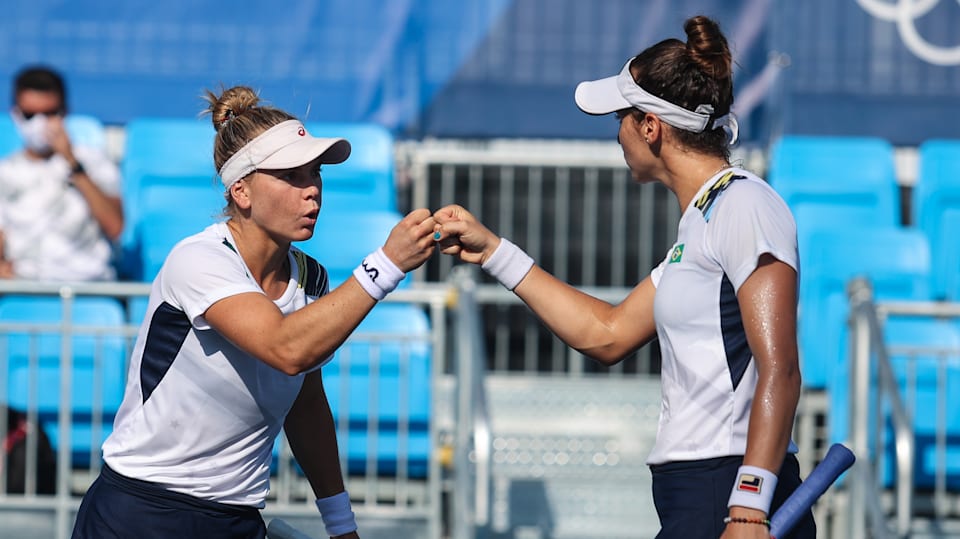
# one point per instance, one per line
(32, 131)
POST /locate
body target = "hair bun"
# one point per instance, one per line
(230, 104)
(708, 48)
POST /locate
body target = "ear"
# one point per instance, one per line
(651, 129)
(240, 193)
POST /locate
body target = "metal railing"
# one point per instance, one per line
(876, 398)
(459, 427)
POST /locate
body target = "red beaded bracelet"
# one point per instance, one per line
(741, 520)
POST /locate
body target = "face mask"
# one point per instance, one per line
(33, 131)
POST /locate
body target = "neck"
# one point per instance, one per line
(265, 258)
(690, 176)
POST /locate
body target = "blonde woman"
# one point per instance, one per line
(238, 325)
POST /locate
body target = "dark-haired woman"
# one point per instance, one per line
(722, 302)
(238, 324)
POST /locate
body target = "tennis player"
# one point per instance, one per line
(723, 302)
(238, 325)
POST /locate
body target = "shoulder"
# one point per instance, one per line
(745, 195)
(203, 252)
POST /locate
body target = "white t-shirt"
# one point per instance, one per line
(708, 375)
(199, 415)
(49, 231)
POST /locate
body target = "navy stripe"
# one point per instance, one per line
(734, 337)
(316, 278)
(168, 329)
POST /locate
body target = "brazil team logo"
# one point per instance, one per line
(677, 254)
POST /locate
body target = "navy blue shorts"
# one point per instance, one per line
(691, 497)
(120, 507)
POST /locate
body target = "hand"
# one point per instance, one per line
(463, 236)
(58, 138)
(6, 270)
(746, 531)
(411, 243)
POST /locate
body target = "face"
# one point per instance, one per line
(636, 152)
(32, 102)
(285, 203)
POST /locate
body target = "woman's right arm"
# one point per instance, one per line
(604, 332)
(303, 339)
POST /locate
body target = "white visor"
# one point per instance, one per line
(622, 92)
(284, 146)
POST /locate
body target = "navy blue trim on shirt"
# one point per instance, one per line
(735, 344)
(168, 329)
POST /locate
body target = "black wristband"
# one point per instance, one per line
(77, 169)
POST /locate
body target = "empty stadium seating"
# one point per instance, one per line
(33, 363)
(936, 212)
(366, 179)
(378, 382)
(923, 356)
(378, 385)
(168, 152)
(897, 262)
(853, 176)
(342, 238)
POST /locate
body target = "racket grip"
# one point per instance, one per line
(278, 529)
(837, 460)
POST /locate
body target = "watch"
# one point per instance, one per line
(77, 169)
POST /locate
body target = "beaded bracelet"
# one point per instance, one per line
(741, 520)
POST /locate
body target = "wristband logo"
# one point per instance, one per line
(749, 483)
(372, 272)
(905, 14)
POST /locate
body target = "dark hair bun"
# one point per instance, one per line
(708, 48)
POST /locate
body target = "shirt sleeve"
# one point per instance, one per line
(657, 272)
(750, 220)
(196, 275)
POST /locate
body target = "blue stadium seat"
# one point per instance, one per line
(914, 344)
(366, 179)
(343, 237)
(854, 177)
(169, 213)
(162, 151)
(896, 260)
(936, 212)
(34, 362)
(381, 377)
(83, 129)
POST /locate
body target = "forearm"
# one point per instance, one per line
(312, 435)
(583, 322)
(107, 210)
(301, 340)
(772, 415)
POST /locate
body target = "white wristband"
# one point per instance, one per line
(337, 515)
(753, 488)
(508, 264)
(378, 275)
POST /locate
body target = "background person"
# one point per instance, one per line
(238, 324)
(60, 206)
(722, 303)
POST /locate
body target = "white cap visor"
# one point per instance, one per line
(284, 146)
(600, 96)
(620, 92)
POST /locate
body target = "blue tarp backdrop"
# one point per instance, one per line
(495, 68)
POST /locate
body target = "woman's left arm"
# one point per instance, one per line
(312, 434)
(768, 306)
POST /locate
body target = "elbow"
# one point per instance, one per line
(114, 229)
(290, 361)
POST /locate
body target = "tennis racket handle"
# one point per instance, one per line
(278, 529)
(837, 461)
